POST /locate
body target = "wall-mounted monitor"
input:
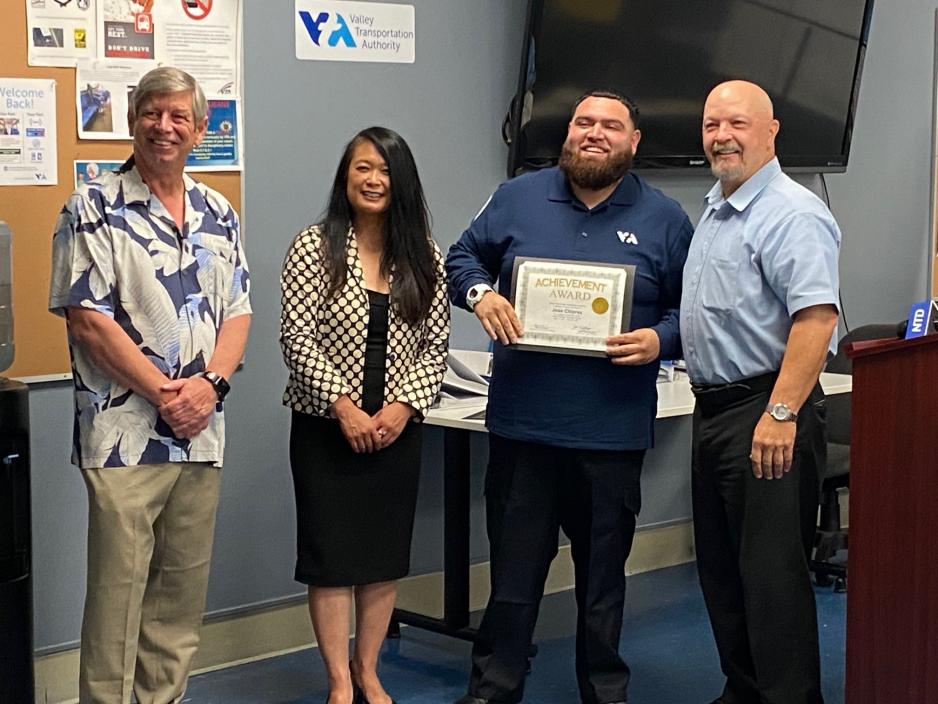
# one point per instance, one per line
(668, 54)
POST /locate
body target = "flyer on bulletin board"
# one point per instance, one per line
(200, 37)
(88, 170)
(59, 33)
(220, 149)
(27, 132)
(102, 92)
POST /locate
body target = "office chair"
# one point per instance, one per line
(829, 562)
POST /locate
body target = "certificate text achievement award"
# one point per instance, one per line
(571, 307)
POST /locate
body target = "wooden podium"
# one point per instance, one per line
(892, 602)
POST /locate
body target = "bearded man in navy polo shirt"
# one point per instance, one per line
(567, 434)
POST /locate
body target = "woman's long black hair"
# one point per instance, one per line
(407, 249)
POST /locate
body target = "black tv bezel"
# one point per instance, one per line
(685, 163)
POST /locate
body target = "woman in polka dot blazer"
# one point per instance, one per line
(364, 330)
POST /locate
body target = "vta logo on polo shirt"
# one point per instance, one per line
(627, 237)
(340, 31)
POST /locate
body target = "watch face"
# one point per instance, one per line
(475, 295)
(220, 384)
(222, 388)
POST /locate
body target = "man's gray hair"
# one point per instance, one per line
(167, 79)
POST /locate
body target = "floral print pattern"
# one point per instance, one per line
(117, 250)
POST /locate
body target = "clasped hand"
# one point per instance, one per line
(188, 411)
(366, 433)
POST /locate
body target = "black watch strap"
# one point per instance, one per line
(218, 382)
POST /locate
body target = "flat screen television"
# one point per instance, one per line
(667, 55)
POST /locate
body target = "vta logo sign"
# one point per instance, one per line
(340, 31)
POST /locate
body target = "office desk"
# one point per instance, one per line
(674, 399)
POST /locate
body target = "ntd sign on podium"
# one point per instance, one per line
(923, 319)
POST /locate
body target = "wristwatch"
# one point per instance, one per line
(780, 411)
(475, 294)
(218, 382)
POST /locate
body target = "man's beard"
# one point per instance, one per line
(591, 174)
(726, 172)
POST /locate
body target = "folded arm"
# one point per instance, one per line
(115, 354)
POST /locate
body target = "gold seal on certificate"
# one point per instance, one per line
(571, 307)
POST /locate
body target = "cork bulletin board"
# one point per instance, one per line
(31, 211)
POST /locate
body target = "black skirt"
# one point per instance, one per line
(354, 512)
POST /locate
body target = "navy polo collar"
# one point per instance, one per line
(626, 192)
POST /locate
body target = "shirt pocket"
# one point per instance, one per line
(216, 263)
(720, 291)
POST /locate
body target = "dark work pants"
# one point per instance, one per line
(531, 490)
(754, 540)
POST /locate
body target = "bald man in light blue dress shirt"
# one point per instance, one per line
(758, 316)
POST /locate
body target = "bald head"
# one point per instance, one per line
(739, 129)
(743, 94)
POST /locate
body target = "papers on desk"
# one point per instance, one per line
(462, 385)
(447, 400)
(461, 379)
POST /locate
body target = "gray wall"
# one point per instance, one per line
(882, 201)
(449, 105)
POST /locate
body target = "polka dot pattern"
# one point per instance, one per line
(323, 341)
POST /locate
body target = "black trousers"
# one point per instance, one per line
(754, 540)
(531, 491)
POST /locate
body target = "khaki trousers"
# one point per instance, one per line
(150, 531)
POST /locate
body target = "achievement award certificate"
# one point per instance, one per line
(571, 307)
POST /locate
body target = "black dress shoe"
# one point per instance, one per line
(469, 699)
(358, 697)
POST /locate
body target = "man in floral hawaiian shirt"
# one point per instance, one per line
(148, 270)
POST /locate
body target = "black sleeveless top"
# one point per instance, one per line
(376, 346)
